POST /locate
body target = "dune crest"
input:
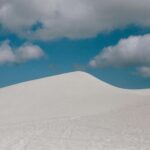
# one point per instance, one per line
(71, 94)
(73, 111)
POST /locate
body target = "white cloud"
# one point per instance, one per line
(144, 71)
(6, 53)
(71, 18)
(26, 52)
(133, 51)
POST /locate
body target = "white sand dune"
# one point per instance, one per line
(73, 111)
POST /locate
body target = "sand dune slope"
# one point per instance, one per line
(73, 111)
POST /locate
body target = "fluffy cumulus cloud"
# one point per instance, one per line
(50, 19)
(133, 51)
(26, 52)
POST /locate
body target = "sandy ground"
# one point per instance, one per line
(73, 111)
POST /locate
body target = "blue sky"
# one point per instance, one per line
(32, 49)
